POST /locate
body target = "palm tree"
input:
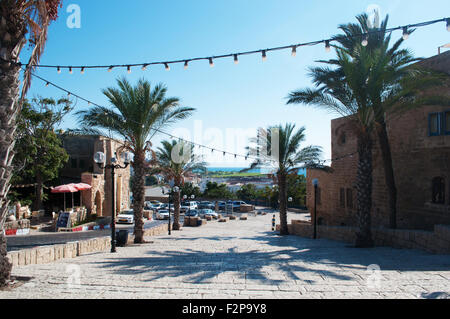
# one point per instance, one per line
(395, 85)
(278, 147)
(21, 21)
(139, 112)
(345, 90)
(175, 160)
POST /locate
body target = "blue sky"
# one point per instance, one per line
(231, 100)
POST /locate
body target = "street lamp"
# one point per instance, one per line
(170, 192)
(100, 159)
(316, 185)
(289, 201)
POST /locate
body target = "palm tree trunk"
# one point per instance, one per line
(364, 191)
(282, 196)
(388, 173)
(176, 213)
(12, 35)
(5, 265)
(138, 195)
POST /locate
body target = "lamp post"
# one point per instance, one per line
(315, 184)
(289, 201)
(170, 192)
(100, 159)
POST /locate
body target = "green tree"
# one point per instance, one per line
(217, 191)
(39, 152)
(138, 111)
(279, 146)
(21, 21)
(363, 83)
(247, 192)
(175, 160)
(296, 188)
(189, 189)
(394, 85)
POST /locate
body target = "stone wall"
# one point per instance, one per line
(49, 254)
(436, 242)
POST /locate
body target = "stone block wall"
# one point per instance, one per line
(436, 242)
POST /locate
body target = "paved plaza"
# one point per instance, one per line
(239, 260)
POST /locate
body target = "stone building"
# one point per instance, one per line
(82, 168)
(420, 144)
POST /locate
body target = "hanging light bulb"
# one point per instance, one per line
(144, 67)
(167, 67)
(327, 46)
(264, 56)
(223, 153)
(235, 155)
(236, 61)
(68, 94)
(211, 62)
(47, 84)
(186, 65)
(448, 24)
(365, 40)
(129, 69)
(294, 51)
(59, 70)
(70, 70)
(82, 70)
(405, 33)
(110, 68)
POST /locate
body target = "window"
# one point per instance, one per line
(438, 190)
(434, 126)
(342, 198)
(439, 124)
(447, 123)
(349, 198)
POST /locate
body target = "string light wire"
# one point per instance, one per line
(235, 56)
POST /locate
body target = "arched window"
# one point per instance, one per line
(438, 190)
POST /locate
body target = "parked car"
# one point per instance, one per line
(235, 206)
(186, 206)
(208, 212)
(192, 213)
(162, 214)
(222, 205)
(206, 205)
(125, 217)
(166, 207)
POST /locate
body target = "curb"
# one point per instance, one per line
(16, 232)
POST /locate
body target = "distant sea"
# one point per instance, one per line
(237, 169)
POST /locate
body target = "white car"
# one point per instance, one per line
(208, 212)
(186, 206)
(162, 214)
(125, 217)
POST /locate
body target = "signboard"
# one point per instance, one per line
(63, 220)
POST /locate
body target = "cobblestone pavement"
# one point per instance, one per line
(240, 259)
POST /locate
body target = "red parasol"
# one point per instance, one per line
(65, 189)
(81, 187)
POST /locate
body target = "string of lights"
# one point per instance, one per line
(406, 30)
(200, 146)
